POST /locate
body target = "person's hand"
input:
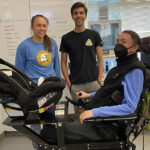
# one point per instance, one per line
(79, 110)
(100, 81)
(69, 85)
(86, 114)
(81, 94)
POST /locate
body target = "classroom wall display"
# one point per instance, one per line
(58, 14)
(14, 25)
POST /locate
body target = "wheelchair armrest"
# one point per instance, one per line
(113, 118)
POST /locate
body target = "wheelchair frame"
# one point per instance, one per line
(133, 123)
(121, 144)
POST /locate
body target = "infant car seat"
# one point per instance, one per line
(21, 97)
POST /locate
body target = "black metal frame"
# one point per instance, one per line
(133, 123)
(123, 144)
(21, 125)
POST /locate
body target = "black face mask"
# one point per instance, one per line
(120, 50)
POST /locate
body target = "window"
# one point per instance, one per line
(108, 31)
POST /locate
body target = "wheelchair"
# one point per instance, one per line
(27, 103)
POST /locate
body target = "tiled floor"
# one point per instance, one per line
(16, 143)
(139, 141)
(22, 143)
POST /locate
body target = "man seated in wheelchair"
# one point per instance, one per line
(119, 96)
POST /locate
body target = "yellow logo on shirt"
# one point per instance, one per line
(89, 42)
(44, 58)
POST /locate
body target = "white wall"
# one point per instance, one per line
(135, 16)
(14, 25)
(1, 120)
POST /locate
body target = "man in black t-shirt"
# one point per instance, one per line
(82, 45)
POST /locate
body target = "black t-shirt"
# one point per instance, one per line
(81, 48)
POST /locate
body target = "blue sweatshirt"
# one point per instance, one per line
(35, 61)
(133, 86)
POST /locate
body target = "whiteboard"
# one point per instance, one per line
(15, 16)
(58, 14)
(14, 25)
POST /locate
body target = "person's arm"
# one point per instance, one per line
(100, 63)
(64, 68)
(98, 47)
(85, 115)
(56, 60)
(132, 92)
(20, 59)
(82, 94)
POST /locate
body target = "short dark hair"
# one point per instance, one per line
(77, 5)
(135, 37)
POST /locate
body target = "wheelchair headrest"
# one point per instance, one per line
(145, 55)
(148, 75)
(145, 44)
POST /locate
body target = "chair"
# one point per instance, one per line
(19, 89)
(131, 125)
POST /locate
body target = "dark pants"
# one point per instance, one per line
(75, 132)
